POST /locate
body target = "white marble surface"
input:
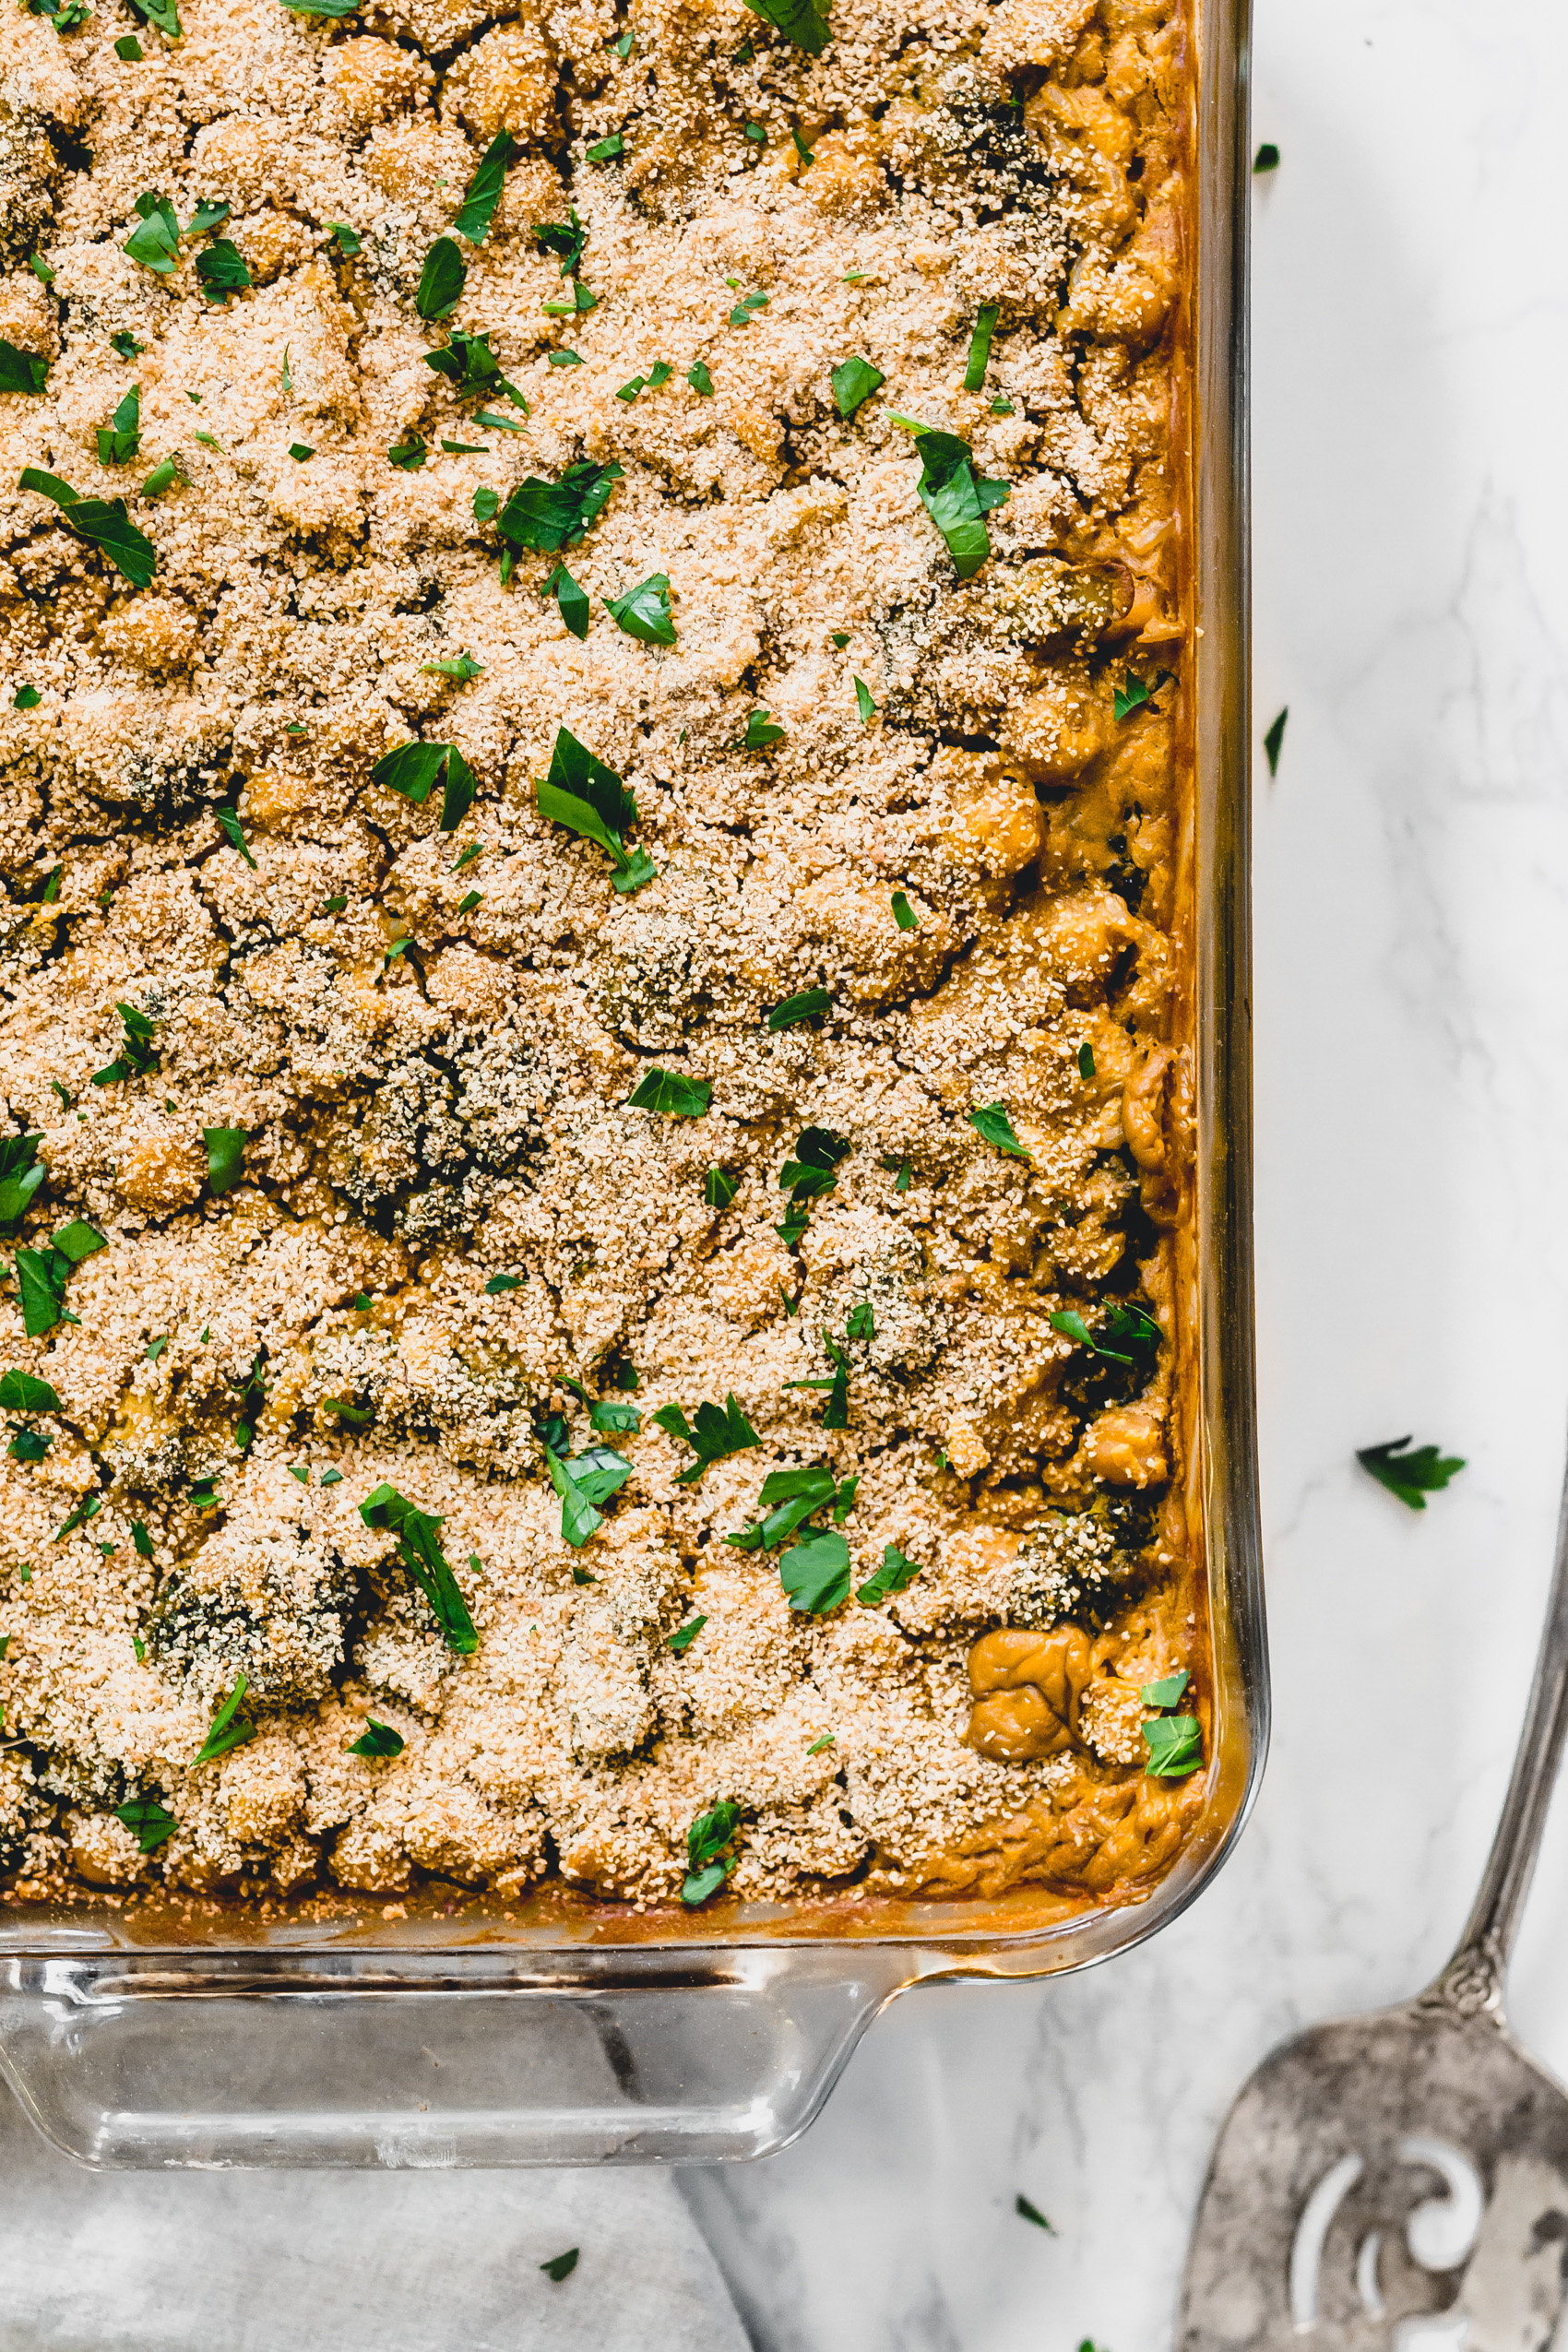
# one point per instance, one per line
(1412, 353)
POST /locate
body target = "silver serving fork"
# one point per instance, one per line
(1399, 2183)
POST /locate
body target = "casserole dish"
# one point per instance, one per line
(437, 2032)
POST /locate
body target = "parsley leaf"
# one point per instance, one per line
(761, 733)
(853, 381)
(1267, 158)
(21, 1173)
(584, 1480)
(129, 48)
(230, 1728)
(862, 1322)
(125, 345)
(225, 1157)
(23, 1391)
(684, 1635)
(991, 1120)
(222, 271)
(644, 611)
(708, 1841)
(1027, 2212)
(572, 600)
(1413, 1476)
(119, 441)
(565, 238)
(19, 371)
(418, 1542)
(561, 2266)
(815, 1572)
(411, 771)
(904, 914)
(616, 1419)
(895, 1573)
(407, 454)
(1166, 1691)
(806, 1006)
(717, 1434)
(483, 190)
(817, 1154)
(441, 280)
(377, 1739)
(156, 242)
(548, 517)
(749, 304)
(589, 798)
(1175, 1747)
(149, 1820)
(207, 216)
(347, 240)
(788, 1497)
(29, 698)
(863, 702)
(164, 14)
(165, 474)
(979, 347)
(229, 819)
(499, 1283)
(606, 151)
(1136, 1335)
(104, 521)
(462, 667)
(803, 23)
(1274, 740)
(673, 1093)
(700, 380)
(136, 1056)
(27, 1445)
(472, 369)
(719, 1188)
(956, 499)
(1085, 1060)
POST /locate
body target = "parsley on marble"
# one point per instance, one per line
(19, 371)
(1027, 2212)
(483, 192)
(709, 1856)
(230, 1728)
(808, 1005)
(1411, 1475)
(561, 2266)
(548, 517)
(377, 1739)
(1267, 158)
(894, 1575)
(853, 381)
(441, 280)
(136, 1056)
(1175, 1747)
(991, 1120)
(803, 23)
(718, 1431)
(700, 380)
(413, 769)
(644, 611)
(101, 521)
(684, 1635)
(149, 1820)
(761, 733)
(225, 1157)
(589, 798)
(1272, 743)
(719, 1188)
(979, 347)
(418, 1542)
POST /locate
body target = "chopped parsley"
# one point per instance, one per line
(500, 1283)
(1267, 158)
(347, 240)
(628, 391)
(709, 1856)
(991, 1120)
(164, 14)
(853, 381)
(589, 798)
(571, 601)
(761, 733)
(141, 1539)
(136, 1056)
(225, 1157)
(582, 1481)
(79, 1518)
(1166, 1691)
(719, 1188)
(165, 474)
(835, 1412)
(827, 1739)
(1272, 743)
(461, 666)
(863, 702)
(19, 371)
(42, 1275)
(790, 1497)
(563, 358)
(418, 1542)
(119, 441)
(659, 375)
(904, 914)
(472, 369)
(606, 151)
(807, 1007)
(23, 1391)
(411, 772)
(483, 192)
(155, 242)
(840, 637)
(222, 271)
(149, 1820)
(803, 23)
(300, 450)
(862, 1322)
(746, 307)
(644, 611)
(207, 216)
(229, 821)
(815, 1572)
(468, 901)
(410, 454)
(27, 1445)
(616, 1419)
(561, 2266)
(1411, 1476)
(1135, 1336)
(125, 345)
(895, 1573)
(441, 280)
(956, 499)
(801, 149)
(230, 1728)
(699, 379)
(548, 517)
(565, 238)
(672, 1092)
(1135, 693)
(102, 521)
(377, 1739)
(979, 347)
(718, 1433)
(1085, 1060)
(809, 1174)
(1175, 1747)
(684, 1635)
(1025, 2211)
(129, 48)
(757, 134)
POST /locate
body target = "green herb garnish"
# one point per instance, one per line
(1027, 2212)
(129, 48)
(1166, 1691)
(561, 2266)
(104, 521)
(582, 1481)
(410, 454)
(548, 516)
(1411, 1476)
(499, 1283)
(803, 23)
(673, 1093)
(156, 242)
(377, 1739)
(473, 371)
(979, 347)
(29, 698)
(441, 280)
(225, 1157)
(807, 1007)
(222, 271)
(606, 151)
(895, 1573)
(1274, 740)
(863, 702)
(710, 1860)
(787, 1499)
(1267, 158)
(761, 733)
(345, 239)
(165, 474)
(1175, 1747)
(991, 1120)
(956, 499)
(700, 380)
(229, 821)
(483, 190)
(719, 1188)
(119, 441)
(462, 667)
(23, 1391)
(589, 798)
(418, 1542)
(413, 769)
(19, 371)
(1136, 1337)
(853, 381)
(1085, 1060)
(571, 599)
(136, 1056)
(149, 1820)
(718, 1433)
(815, 1572)
(229, 1729)
(684, 1635)
(904, 914)
(644, 611)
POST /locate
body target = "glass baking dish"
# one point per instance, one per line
(563, 2033)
